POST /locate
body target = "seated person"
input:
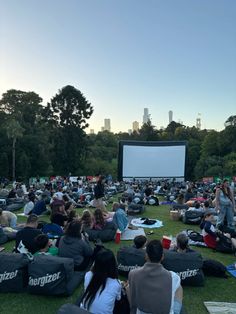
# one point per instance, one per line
(209, 232)
(197, 207)
(28, 234)
(163, 291)
(40, 206)
(7, 219)
(131, 257)
(44, 246)
(73, 245)
(99, 221)
(87, 220)
(101, 284)
(29, 206)
(182, 244)
(180, 199)
(58, 214)
(120, 217)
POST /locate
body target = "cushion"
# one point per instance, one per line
(53, 275)
(135, 209)
(13, 272)
(129, 258)
(187, 265)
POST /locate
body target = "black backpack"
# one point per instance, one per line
(195, 236)
(224, 245)
(214, 268)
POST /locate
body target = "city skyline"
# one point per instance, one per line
(125, 56)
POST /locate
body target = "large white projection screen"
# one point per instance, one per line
(153, 161)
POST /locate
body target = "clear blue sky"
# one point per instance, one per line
(125, 55)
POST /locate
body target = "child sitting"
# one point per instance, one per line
(44, 246)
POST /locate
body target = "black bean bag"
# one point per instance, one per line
(192, 217)
(187, 265)
(71, 309)
(13, 272)
(15, 206)
(53, 275)
(129, 258)
(135, 209)
(105, 235)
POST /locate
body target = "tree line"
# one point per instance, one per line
(39, 140)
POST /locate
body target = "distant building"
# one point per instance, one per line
(135, 126)
(91, 131)
(146, 116)
(107, 125)
(198, 122)
(170, 116)
(129, 131)
(102, 128)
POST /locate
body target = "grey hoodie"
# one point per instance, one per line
(74, 248)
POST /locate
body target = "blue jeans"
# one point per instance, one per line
(226, 211)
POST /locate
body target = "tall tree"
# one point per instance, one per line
(71, 111)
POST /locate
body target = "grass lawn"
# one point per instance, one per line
(215, 289)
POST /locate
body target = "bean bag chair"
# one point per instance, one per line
(135, 209)
(13, 272)
(187, 265)
(71, 309)
(192, 217)
(179, 206)
(105, 235)
(152, 201)
(129, 258)
(53, 275)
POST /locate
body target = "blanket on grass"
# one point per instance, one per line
(137, 222)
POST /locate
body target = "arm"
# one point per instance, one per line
(217, 199)
(232, 197)
(207, 228)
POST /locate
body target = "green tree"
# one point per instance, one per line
(4, 165)
(148, 132)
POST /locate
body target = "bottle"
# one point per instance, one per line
(118, 235)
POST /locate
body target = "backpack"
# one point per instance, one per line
(224, 245)
(195, 236)
(214, 268)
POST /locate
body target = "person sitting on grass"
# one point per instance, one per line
(99, 221)
(7, 218)
(75, 246)
(58, 214)
(40, 206)
(152, 288)
(182, 244)
(87, 220)
(44, 246)
(212, 238)
(101, 284)
(120, 217)
(28, 234)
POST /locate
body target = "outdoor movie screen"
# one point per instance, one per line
(151, 159)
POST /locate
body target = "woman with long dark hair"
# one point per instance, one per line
(225, 204)
(99, 221)
(99, 193)
(101, 284)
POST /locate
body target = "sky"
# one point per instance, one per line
(125, 55)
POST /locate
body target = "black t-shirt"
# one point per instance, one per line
(27, 236)
(59, 219)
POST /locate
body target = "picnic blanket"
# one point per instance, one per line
(130, 234)
(220, 307)
(137, 222)
(232, 269)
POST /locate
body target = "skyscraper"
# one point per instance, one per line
(198, 122)
(146, 116)
(107, 125)
(170, 116)
(135, 126)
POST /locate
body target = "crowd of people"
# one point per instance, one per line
(70, 235)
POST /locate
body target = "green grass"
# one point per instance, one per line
(215, 289)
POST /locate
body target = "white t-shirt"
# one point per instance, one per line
(58, 195)
(175, 286)
(104, 302)
(28, 207)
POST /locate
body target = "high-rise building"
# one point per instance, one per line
(129, 131)
(146, 116)
(91, 131)
(198, 122)
(135, 126)
(170, 116)
(107, 125)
